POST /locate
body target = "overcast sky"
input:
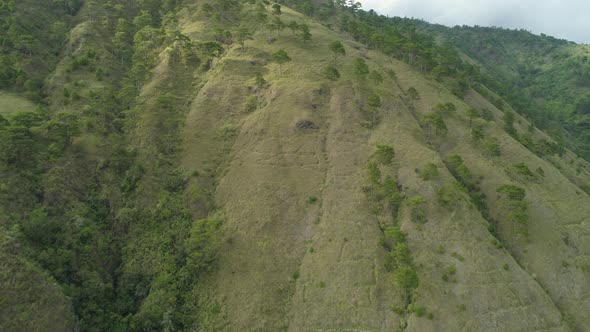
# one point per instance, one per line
(567, 19)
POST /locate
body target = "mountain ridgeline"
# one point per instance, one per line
(187, 165)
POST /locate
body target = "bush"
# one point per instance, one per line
(487, 115)
(492, 147)
(332, 73)
(477, 133)
(374, 173)
(202, 245)
(416, 205)
(384, 154)
(521, 169)
(449, 195)
(428, 172)
(514, 193)
(374, 101)
(251, 104)
(413, 93)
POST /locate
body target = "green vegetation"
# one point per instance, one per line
(153, 167)
(515, 208)
(361, 69)
(428, 172)
(521, 171)
(550, 89)
(281, 57)
(434, 124)
(338, 49)
(399, 260)
(384, 154)
(450, 195)
(332, 73)
(417, 211)
(477, 133)
(492, 147)
(464, 176)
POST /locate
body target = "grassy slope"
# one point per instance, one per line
(263, 170)
(11, 103)
(29, 299)
(270, 230)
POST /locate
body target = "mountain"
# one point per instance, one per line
(544, 78)
(303, 166)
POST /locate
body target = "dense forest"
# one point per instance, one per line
(126, 128)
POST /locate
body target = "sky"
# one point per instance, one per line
(566, 19)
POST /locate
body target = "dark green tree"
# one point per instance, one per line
(337, 49)
(294, 26)
(281, 57)
(361, 69)
(276, 9)
(331, 73)
(305, 33)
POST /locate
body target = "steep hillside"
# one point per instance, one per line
(245, 166)
(540, 76)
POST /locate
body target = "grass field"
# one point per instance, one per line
(11, 103)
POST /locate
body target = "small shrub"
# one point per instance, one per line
(506, 267)
(251, 104)
(332, 73)
(374, 173)
(451, 270)
(312, 199)
(458, 257)
(514, 193)
(522, 169)
(374, 101)
(449, 195)
(295, 275)
(322, 284)
(384, 154)
(492, 147)
(418, 213)
(477, 133)
(413, 93)
(428, 172)
(487, 115)
(419, 311)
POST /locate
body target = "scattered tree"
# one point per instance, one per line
(281, 57)
(338, 49)
(294, 26)
(376, 76)
(305, 34)
(477, 133)
(434, 122)
(361, 69)
(332, 73)
(242, 35)
(276, 9)
(471, 114)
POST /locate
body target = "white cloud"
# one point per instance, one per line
(568, 19)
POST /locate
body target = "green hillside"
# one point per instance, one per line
(544, 78)
(303, 166)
